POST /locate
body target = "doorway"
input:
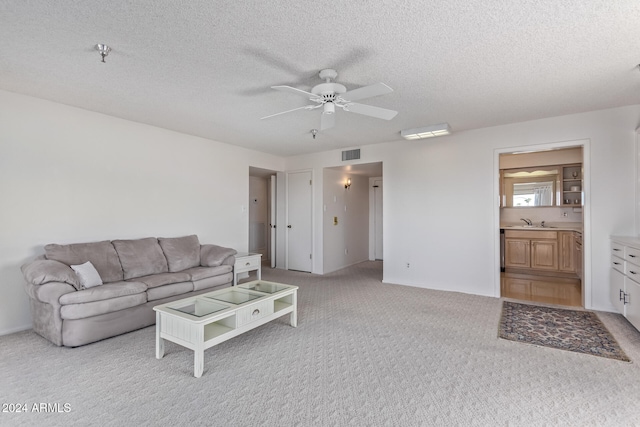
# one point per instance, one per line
(543, 219)
(262, 214)
(352, 222)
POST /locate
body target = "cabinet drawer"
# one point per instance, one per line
(254, 312)
(530, 234)
(632, 271)
(617, 264)
(632, 255)
(247, 263)
(617, 249)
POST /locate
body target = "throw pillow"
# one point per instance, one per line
(87, 274)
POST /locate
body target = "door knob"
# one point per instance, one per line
(289, 226)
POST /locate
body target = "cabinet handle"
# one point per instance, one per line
(632, 256)
(255, 312)
(248, 263)
(632, 272)
(624, 300)
(616, 263)
(621, 295)
(617, 250)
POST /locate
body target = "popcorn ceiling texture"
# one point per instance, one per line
(205, 67)
(364, 353)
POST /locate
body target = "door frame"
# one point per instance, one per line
(586, 209)
(372, 218)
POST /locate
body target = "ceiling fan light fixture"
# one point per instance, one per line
(103, 49)
(440, 129)
(329, 108)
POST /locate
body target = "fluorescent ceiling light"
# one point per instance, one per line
(426, 132)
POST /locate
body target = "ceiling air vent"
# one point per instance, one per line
(351, 154)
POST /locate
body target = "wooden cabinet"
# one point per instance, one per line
(531, 249)
(544, 254)
(517, 252)
(567, 255)
(542, 250)
(624, 278)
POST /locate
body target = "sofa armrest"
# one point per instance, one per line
(41, 271)
(213, 255)
(49, 293)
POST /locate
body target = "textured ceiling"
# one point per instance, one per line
(205, 67)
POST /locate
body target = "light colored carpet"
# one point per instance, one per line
(364, 354)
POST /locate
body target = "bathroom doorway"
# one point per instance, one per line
(542, 222)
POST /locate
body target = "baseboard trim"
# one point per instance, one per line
(14, 330)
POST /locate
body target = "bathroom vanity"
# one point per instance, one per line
(536, 249)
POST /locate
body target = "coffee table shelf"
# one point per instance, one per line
(206, 320)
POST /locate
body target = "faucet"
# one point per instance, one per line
(527, 221)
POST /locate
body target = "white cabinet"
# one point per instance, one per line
(246, 262)
(624, 283)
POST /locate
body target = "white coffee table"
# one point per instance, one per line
(203, 321)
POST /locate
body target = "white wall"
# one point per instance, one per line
(439, 205)
(351, 207)
(70, 175)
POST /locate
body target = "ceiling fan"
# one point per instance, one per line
(329, 95)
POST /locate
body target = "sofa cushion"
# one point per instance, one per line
(199, 273)
(211, 282)
(140, 257)
(104, 292)
(43, 271)
(163, 279)
(181, 252)
(102, 255)
(95, 308)
(169, 290)
(87, 274)
(213, 255)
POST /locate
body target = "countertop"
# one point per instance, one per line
(548, 226)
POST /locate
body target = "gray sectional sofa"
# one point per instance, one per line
(71, 308)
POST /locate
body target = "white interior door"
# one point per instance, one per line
(272, 220)
(299, 199)
(377, 218)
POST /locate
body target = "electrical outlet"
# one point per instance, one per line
(408, 265)
(564, 214)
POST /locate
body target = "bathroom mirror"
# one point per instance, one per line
(529, 187)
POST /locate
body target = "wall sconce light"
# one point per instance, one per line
(426, 132)
(347, 185)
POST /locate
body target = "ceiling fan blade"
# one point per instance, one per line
(327, 121)
(294, 90)
(366, 92)
(306, 107)
(369, 110)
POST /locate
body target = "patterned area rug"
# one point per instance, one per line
(579, 331)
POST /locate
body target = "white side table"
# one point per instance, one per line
(246, 262)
